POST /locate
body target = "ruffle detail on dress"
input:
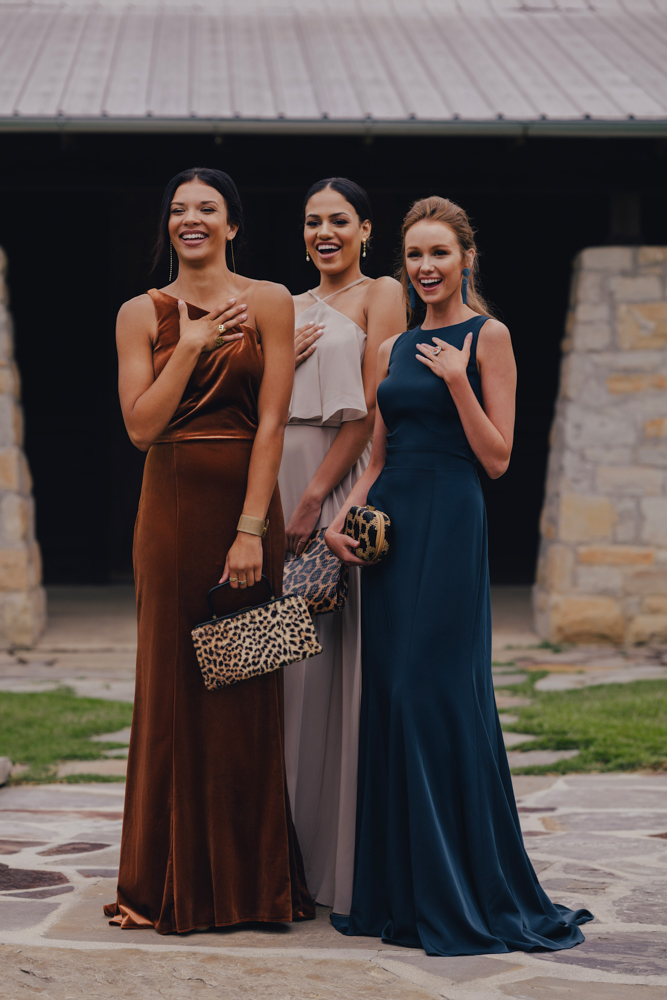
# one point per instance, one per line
(336, 394)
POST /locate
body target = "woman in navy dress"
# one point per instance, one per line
(440, 862)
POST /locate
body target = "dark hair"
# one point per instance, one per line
(351, 191)
(217, 179)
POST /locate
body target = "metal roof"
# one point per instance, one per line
(481, 66)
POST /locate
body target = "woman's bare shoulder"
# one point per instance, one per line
(138, 311)
(494, 334)
(270, 293)
(385, 349)
(385, 285)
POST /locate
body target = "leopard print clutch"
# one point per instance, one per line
(318, 576)
(369, 527)
(254, 641)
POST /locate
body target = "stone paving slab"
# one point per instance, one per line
(595, 856)
(109, 767)
(131, 974)
(537, 758)
(623, 675)
(541, 988)
(84, 921)
(514, 739)
(505, 680)
(633, 953)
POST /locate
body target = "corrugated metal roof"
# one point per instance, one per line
(393, 65)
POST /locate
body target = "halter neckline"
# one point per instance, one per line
(338, 290)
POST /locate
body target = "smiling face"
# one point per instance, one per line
(333, 231)
(434, 260)
(198, 226)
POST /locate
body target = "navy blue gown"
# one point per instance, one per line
(440, 862)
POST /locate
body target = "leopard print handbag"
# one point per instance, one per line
(318, 576)
(254, 641)
(369, 527)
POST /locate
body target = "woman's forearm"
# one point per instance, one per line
(357, 495)
(265, 459)
(155, 407)
(346, 449)
(486, 441)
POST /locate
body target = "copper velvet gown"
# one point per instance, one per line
(207, 837)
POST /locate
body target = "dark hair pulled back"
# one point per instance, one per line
(217, 179)
(350, 190)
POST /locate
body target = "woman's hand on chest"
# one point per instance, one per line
(445, 360)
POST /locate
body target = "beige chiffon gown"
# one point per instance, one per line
(323, 694)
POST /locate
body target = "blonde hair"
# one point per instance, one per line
(438, 209)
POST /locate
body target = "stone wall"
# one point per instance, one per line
(602, 572)
(22, 598)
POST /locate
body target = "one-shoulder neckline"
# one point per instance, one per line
(244, 326)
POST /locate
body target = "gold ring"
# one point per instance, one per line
(233, 579)
(243, 583)
(222, 328)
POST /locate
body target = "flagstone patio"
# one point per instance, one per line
(596, 841)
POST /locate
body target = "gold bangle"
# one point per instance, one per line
(253, 525)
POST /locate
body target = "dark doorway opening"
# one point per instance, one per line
(78, 230)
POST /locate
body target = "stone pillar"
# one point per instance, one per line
(22, 598)
(602, 571)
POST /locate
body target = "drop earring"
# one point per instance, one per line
(464, 285)
(412, 294)
(363, 244)
(231, 247)
(307, 256)
(171, 260)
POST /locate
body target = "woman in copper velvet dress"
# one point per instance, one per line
(208, 839)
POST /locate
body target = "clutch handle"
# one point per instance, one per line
(219, 586)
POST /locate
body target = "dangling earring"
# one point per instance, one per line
(307, 255)
(231, 247)
(171, 259)
(363, 244)
(412, 294)
(464, 285)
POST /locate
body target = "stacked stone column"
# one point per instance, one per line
(22, 598)
(602, 571)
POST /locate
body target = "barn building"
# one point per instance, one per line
(546, 120)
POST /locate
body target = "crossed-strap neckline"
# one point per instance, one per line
(323, 298)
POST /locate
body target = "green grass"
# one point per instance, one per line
(43, 729)
(615, 727)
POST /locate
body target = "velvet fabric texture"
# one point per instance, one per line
(207, 836)
(440, 862)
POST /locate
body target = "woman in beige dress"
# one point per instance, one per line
(340, 326)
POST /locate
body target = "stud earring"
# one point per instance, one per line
(307, 255)
(464, 285)
(412, 294)
(171, 260)
(231, 247)
(363, 244)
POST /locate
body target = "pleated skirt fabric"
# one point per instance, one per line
(207, 837)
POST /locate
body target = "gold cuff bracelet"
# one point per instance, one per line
(253, 525)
